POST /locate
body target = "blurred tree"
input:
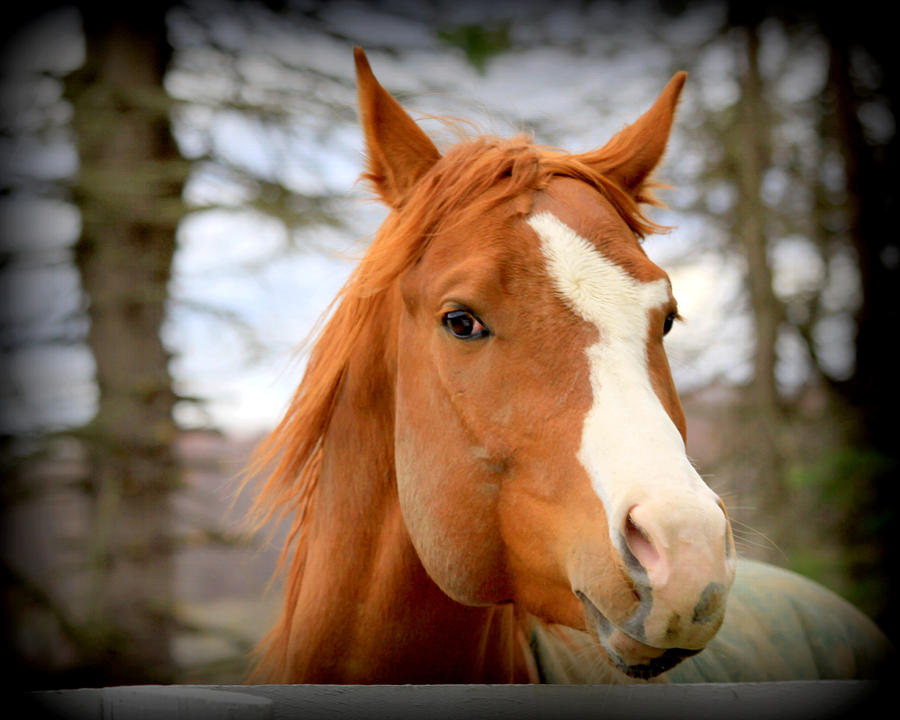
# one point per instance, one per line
(747, 157)
(128, 190)
(859, 112)
(833, 435)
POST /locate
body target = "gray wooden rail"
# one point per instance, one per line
(819, 700)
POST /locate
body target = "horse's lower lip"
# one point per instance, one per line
(643, 661)
(668, 659)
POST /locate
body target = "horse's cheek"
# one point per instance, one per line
(453, 540)
(449, 512)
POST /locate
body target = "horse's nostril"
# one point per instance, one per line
(711, 601)
(640, 543)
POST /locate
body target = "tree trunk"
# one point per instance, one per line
(129, 193)
(749, 154)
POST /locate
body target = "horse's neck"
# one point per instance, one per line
(367, 611)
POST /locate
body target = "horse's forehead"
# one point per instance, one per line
(497, 249)
(594, 218)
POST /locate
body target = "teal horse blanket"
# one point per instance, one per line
(778, 626)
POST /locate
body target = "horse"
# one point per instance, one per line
(484, 464)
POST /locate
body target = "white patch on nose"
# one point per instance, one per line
(630, 446)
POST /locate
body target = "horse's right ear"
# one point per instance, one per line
(398, 152)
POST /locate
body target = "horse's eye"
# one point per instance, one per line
(669, 321)
(464, 325)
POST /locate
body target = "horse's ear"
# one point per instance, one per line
(398, 151)
(633, 153)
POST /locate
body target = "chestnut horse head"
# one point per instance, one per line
(488, 428)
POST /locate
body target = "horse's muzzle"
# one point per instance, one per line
(666, 599)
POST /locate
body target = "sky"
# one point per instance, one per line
(231, 264)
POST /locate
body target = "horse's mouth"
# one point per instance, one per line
(669, 658)
(625, 652)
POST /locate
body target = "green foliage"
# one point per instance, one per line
(478, 42)
(843, 483)
(843, 479)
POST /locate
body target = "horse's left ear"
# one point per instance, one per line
(398, 151)
(633, 153)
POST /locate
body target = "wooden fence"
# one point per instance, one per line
(818, 700)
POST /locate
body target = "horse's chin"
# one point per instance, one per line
(627, 654)
(638, 660)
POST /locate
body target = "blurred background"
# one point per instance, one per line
(179, 203)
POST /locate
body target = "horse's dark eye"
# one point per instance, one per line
(464, 325)
(669, 321)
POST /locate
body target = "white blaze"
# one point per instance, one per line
(630, 447)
